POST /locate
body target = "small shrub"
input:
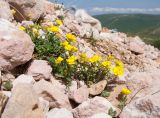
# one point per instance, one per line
(7, 85)
(112, 113)
(67, 62)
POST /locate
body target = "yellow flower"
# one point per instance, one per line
(83, 57)
(59, 22)
(125, 91)
(71, 60)
(68, 47)
(58, 60)
(13, 12)
(71, 37)
(106, 64)
(53, 29)
(95, 58)
(35, 32)
(65, 43)
(119, 63)
(118, 70)
(22, 28)
(74, 49)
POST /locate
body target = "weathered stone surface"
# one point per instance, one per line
(52, 94)
(80, 95)
(101, 115)
(145, 107)
(91, 107)
(82, 16)
(58, 84)
(23, 103)
(23, 79)
(49, 7)
(16, 46)
(97, 88)
(137, 48)
(44, 105)
(28, 9)
(59, 113)
(146, 103)
(40, 69)
(3, 101)
(5, 11)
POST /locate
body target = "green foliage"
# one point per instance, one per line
(112, 113)
(7, 85)
(63, 56)
(91, 73)
(50, 46)
(63, 70)
(122, 102)
(105, 93)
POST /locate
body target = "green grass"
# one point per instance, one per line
(145, 26)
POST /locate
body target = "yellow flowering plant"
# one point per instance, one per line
(71, 37)
(53, 29)
(67, 62)
(123, 98)
(59, 22)
(22, 28)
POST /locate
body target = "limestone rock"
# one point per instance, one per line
(146, 103)
(101, 115)
(59, 113)
(91, 107)
(23, 79)
(29, 9)
(80, 95)
(82, 16)
(23, 103)
(40, 69)
(16, 46)
(97, 88)
(5, 11)
(44, 105)
(136, 48)
(52, 94)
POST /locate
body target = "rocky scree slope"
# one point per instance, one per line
(29, 89)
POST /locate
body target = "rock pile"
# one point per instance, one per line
(37, 94)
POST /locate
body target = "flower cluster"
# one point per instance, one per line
(64, 57)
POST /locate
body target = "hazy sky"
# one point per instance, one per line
(115, 6)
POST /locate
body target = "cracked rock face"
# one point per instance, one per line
(16, 47)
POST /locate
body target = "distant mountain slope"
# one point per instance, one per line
(146, 26)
